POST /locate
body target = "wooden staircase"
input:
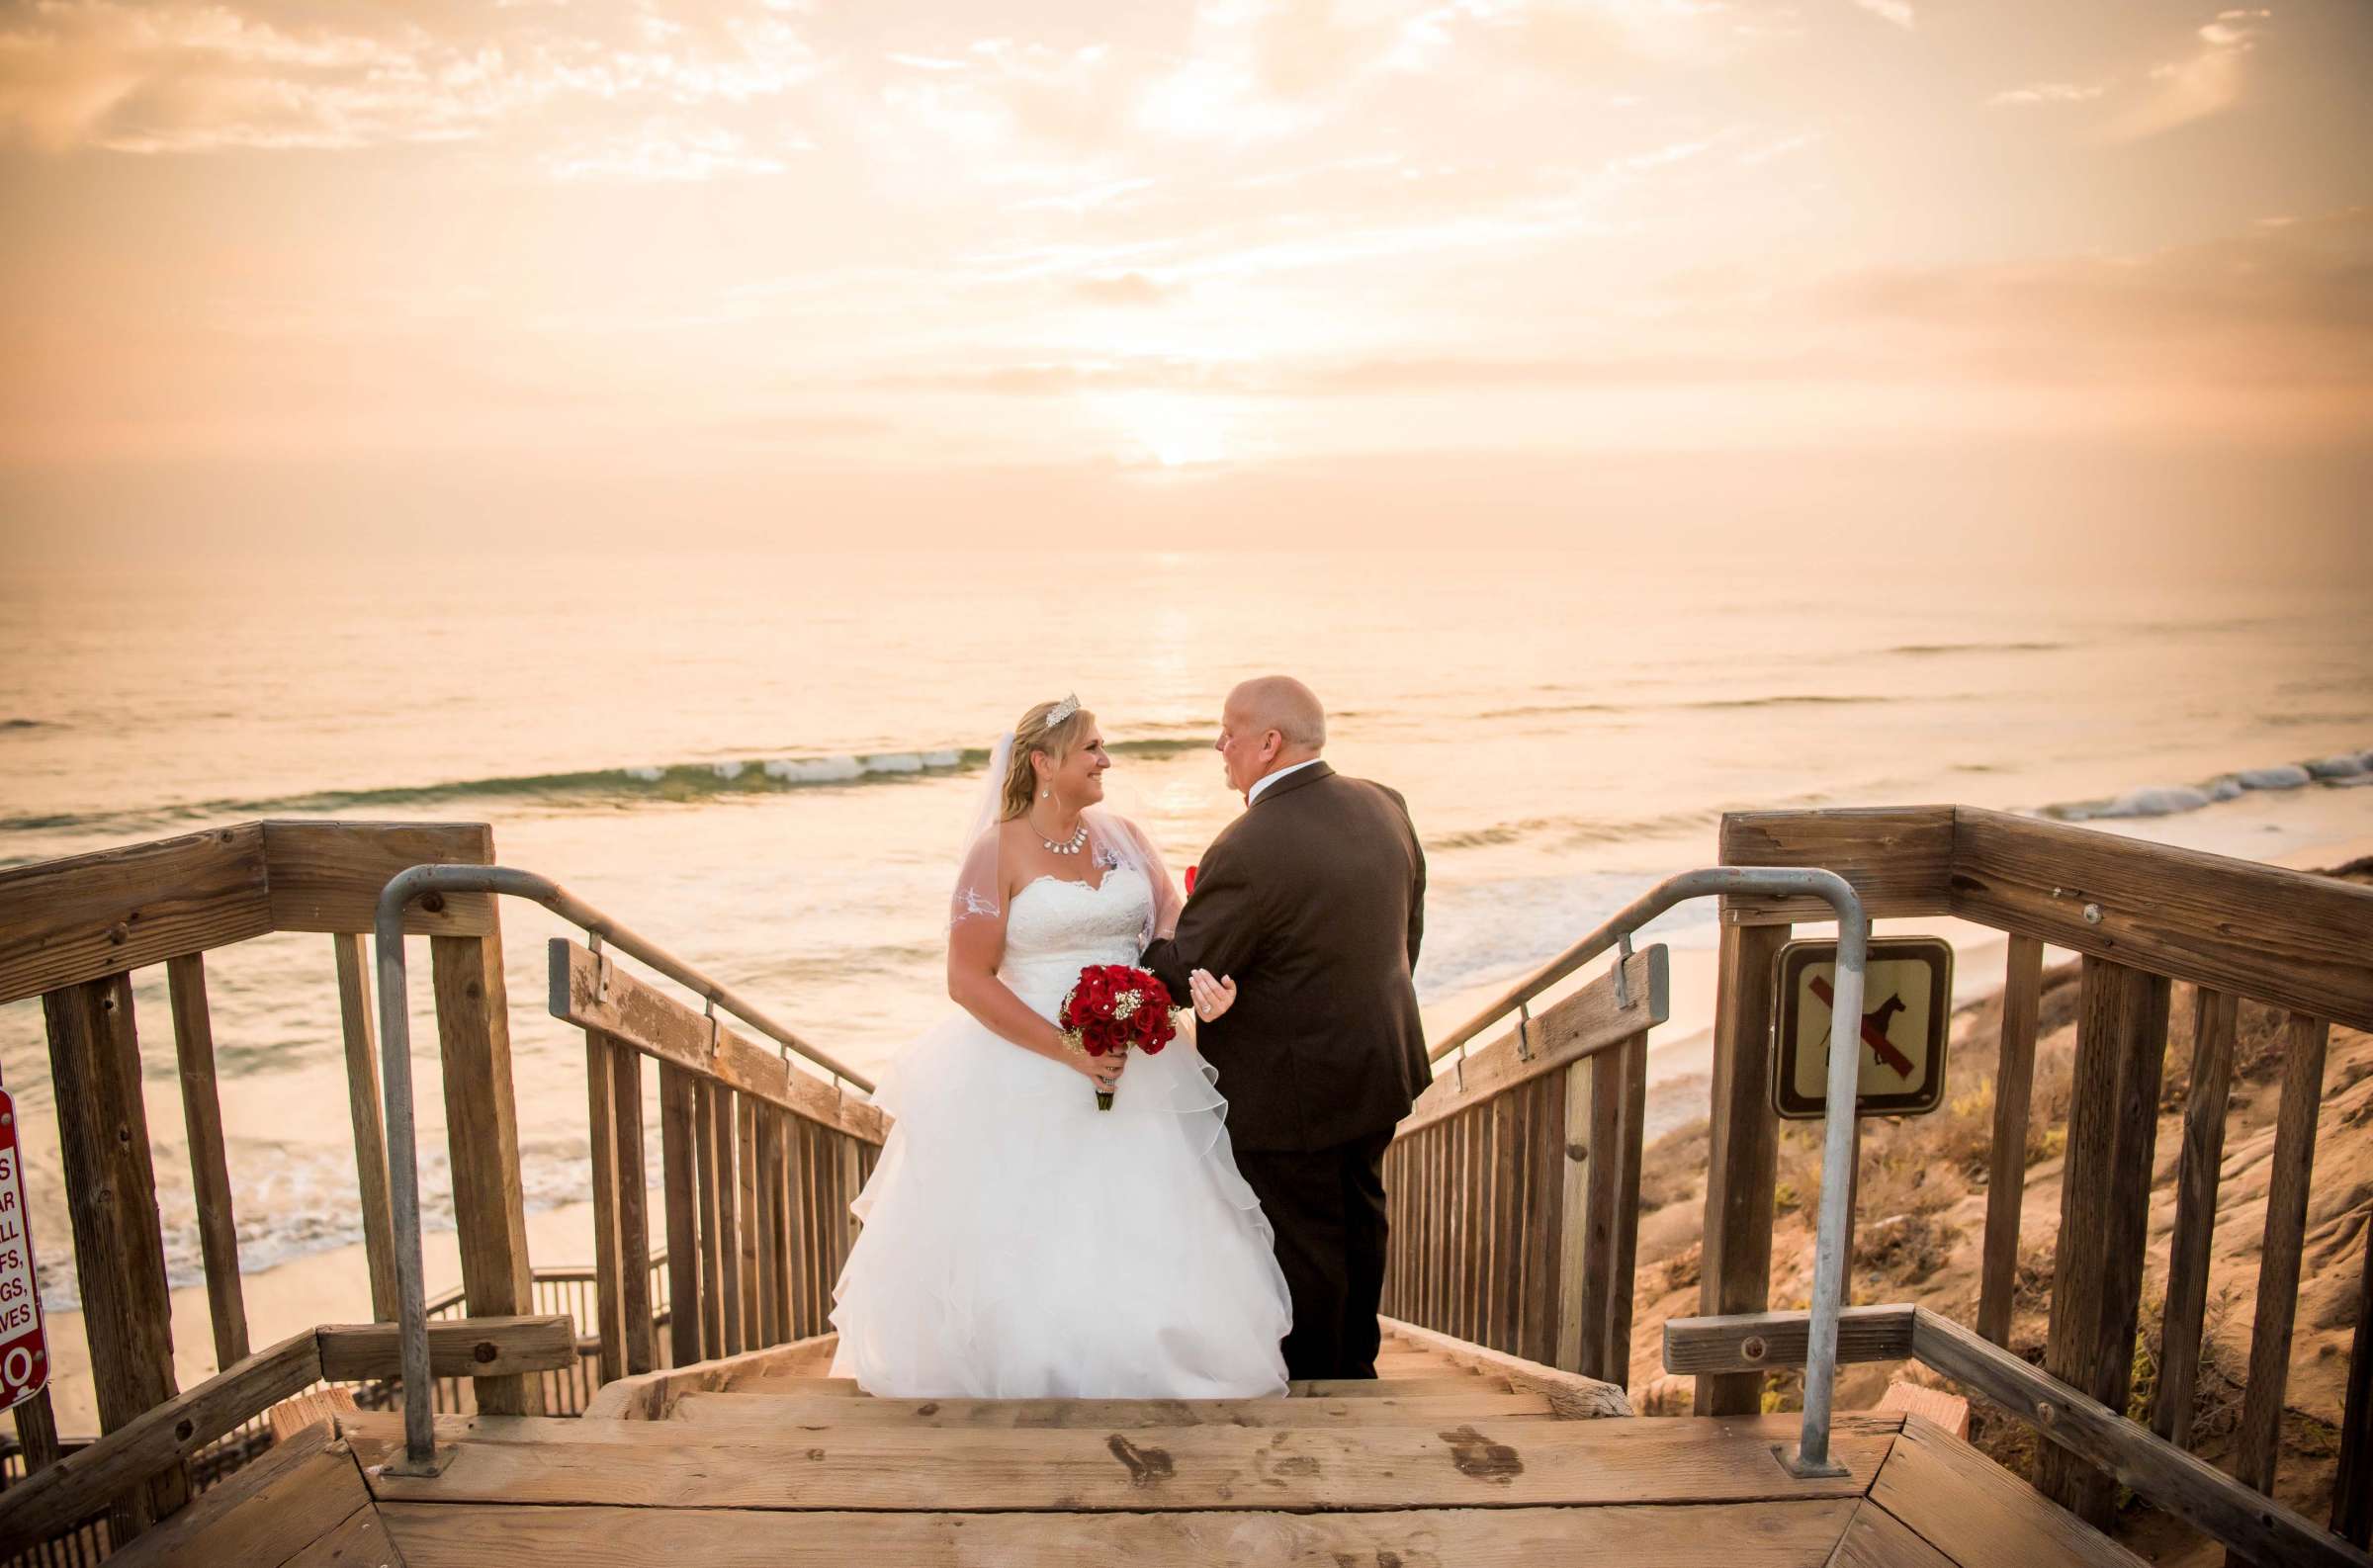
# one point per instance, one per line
(1453, 1453)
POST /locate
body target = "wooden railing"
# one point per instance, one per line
(759, 1159)
(1514, 1183)
(2142, 916)
(72, 931)
(760, 1162)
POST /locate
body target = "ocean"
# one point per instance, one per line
(764, 760)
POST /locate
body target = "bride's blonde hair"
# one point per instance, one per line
(1035, 735)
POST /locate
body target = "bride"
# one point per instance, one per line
(1017, 1242)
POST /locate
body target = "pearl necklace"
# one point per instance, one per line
(1076, 842)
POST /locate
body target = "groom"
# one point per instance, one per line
(1313, 902)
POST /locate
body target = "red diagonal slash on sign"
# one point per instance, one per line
(1872, 1035)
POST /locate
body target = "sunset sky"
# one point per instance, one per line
(780, 262)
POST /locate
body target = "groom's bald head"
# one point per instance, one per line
(1283, 704)
(1270, 722)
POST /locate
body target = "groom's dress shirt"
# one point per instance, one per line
(1267, 779)
(1313, 901)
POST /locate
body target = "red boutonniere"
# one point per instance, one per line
(1191, 871)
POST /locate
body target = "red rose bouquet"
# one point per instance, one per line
(1113, 1007)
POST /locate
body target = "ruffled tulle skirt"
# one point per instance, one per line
(1019, 1242)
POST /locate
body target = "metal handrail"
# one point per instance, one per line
(1811, 1458)
(420, 1457)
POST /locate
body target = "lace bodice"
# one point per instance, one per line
(1054, 928)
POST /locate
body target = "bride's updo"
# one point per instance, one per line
(1033, 734)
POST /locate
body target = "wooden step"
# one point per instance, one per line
(756, 1412)
(1398, 1387)
(1520, 1463)
(1758, 1535)
(803, 1387)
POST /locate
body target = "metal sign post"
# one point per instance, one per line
(1906, 1006)
(24, 1346)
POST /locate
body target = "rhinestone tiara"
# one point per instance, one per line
(1062, 711)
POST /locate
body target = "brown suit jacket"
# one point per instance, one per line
(1314, 901)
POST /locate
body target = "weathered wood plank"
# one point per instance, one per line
(327, 875)
(1398, 1388)
(679, 1158)
(1752, 1341)
(649, 1396)
(2105, 1182)
(360, 1029)
(1950, 1412)
(785, 1412)
(729, 1222)
(210, 1167)
(1738, 1535)
(2214, 1013)
(70, 1490)
(1898, 858)
(83, 917)
(1576, 1026)
(111, 1198)
(2006, 1162)
(601, 1126)
(481, 1133)
(746, 1207)
(657, 1023)
(473, 1347)
(634, 1211)
(1979, 1514)
(2257, 1441)
(2292, 938)
(1618, 1117)
(2353, 1484)
(1504, 1464)
(1742, 1172)
(362, 1541)
(325, 1406)
(2180, 1483)
(1570, 1394)
(1875, 1538)
(264, 1514)
(1544, 1221)
(775, 1324)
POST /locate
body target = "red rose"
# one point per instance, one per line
(1191, 871)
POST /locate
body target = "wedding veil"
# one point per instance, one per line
(1113, 843)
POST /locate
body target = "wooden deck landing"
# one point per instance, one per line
(1435, 1463)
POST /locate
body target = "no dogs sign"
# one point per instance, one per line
(24, 1349)
(1907, 1000)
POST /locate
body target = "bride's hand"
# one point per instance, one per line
(1101, 1071)
(1211, 997)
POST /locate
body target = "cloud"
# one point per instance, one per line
(1896, 11)
(2207, 82)
(1128, 288)
(2045, 93)
(183, 77)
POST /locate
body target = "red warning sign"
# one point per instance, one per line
(24, 1349)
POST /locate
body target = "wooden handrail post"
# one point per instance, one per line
(679, 1158)
(119, 1240)
(601, 1124)
(482, 1130)
(2104, 1211)
(1743, 1153)
(634, 1210)
(2006, 1169)
(361, 1034)
(2213, 1015)
(209, 1170)
(2258, 1442)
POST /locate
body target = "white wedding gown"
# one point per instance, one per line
(1019, 1242)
